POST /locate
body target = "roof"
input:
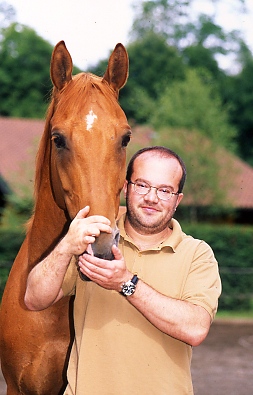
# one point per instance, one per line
(19, 143)
(241, 192)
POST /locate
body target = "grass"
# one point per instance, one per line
(234, 315)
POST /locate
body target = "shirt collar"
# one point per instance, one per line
(172, 241)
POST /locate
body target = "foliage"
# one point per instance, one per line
(17, 211)
(194, 104)
(232, 246)
(11, 240)
(201, 58)
(241, 98)
(200, 43)
(203, 167)
(24, 72)
(153, 66)
(12, 231)
(207, 35)
(175, 21)
(161, 17)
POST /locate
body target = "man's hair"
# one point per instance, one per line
(162, 152)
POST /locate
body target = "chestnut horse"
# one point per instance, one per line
(81, 161)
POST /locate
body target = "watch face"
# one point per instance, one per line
(128, 289)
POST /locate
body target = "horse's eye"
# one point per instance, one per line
(125, 140)
(59, 140)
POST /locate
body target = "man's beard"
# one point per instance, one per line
(145, 227)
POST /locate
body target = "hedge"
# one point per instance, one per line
(233, 248)
(232, 245)
(11, 241)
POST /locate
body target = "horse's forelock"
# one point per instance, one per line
(83, 86)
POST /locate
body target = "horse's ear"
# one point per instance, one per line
(117, 70)
(61, 66)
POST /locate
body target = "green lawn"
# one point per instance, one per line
(235, 314)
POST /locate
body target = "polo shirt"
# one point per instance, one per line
(116, 349)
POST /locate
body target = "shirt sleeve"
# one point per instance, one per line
(203, 284)
(69, 282)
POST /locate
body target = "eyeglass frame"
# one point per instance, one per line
(150, 186)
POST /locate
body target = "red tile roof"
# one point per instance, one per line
(241, 192)
(19, 142)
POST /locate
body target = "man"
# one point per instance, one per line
(138, 342)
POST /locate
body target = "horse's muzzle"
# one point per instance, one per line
(102, 247)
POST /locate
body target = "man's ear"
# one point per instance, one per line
(179, 198)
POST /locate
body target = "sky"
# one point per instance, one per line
(92, 28)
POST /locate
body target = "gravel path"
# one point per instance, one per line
(222, 364)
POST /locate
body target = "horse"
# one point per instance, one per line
(81, 161)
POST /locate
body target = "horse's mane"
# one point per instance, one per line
(75, 94)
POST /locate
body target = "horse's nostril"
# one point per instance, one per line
(116, 237)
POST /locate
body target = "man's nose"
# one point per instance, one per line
(152, 195)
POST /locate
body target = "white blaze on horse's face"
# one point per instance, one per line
(90, 118)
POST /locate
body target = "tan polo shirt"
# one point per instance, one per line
(117, 350)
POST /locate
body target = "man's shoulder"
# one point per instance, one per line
(197, 246)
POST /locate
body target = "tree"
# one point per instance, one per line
(208, 178)
(241, 114)
(175, 21)
(194, 105)
(162, 17)
(24, 72)
(153, 65)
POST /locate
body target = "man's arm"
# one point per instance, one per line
(180, 319)
(44, 283)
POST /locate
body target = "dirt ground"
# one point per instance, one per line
(222, 364)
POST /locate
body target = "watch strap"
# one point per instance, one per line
(135, 279)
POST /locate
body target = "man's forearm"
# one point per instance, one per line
(180, 319)
(45, 280)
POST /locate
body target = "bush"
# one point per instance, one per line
(11, 241)
(232, 246)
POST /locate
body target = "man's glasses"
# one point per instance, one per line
(142, 188)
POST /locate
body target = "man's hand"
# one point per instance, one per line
(108, 274)
(45, 279)
(83, 231)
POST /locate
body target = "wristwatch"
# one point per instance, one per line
(128, 288)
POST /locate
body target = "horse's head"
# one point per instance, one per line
(89, 133)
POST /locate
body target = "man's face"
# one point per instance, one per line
(148, 214)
